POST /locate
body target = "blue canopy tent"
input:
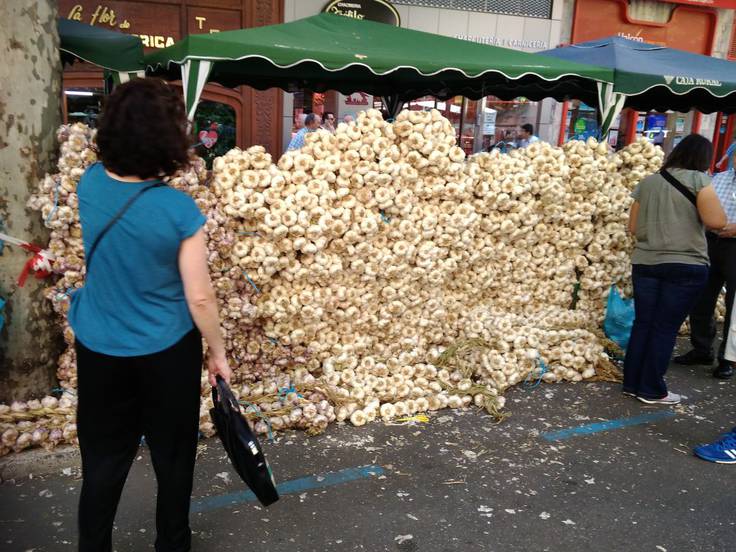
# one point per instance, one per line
(650, 77)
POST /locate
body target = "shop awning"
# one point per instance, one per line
(330, 52)
(119, 53)
(650, 77)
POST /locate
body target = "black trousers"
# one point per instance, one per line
(120, 400)
(722, 253)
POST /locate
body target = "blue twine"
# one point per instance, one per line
(260, 415)
(384, 218)
(68, 293)
(284, 391)
(273, 340)
(542, 366)
(251, 282)
(56, 202)
(2, 318)
(62, 390)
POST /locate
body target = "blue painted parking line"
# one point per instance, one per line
(607, 426)
(329, 479)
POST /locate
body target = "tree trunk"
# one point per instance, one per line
(30, 73)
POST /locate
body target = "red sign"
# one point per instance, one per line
(357, 98)
(725, 4)
(689, 28)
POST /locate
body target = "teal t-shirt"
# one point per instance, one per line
(132, 302)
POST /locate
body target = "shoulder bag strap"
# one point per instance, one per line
(680, 187)
(116, 218)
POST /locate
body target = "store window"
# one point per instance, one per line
(82, 105)
(664, 129)
(306, 101)
(214, 130)
(507, 117)
(481, 125)
(582, 121)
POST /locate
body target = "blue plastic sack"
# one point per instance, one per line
(619, 318)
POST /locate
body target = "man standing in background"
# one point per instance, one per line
(527, 136)
(722, 253)
(329, 121)
(311, 123)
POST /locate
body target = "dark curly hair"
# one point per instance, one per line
(143, 130)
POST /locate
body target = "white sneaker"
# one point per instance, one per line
(671, 398)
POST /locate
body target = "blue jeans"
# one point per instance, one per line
(663, 295)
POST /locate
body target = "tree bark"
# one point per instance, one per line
(30, 77)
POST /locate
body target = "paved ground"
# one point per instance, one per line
(458, 483)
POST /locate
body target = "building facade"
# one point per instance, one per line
(528, 25)
(240, 116)
(699, 27)
(243, 116)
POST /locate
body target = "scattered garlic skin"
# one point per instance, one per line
(373, 251)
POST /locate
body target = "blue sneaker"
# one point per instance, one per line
(722, 451)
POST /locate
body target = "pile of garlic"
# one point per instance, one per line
(378, 272)
(370, 252)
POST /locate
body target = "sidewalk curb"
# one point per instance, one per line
(39, 462)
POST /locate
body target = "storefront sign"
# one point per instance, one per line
(211, 20)
(689, 28)
(157, 25)
(690, 81)
(489, 121)
(358, 99)
(517, 43)
(372, 10)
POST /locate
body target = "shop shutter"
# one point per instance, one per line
(732, 49)
(527, 8)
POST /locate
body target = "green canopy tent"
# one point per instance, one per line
(119, 54)
(330, 52)
(650, 77)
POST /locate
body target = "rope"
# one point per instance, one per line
(284, 391)
(251, 282)
(260, 414)
(67, 293)
(384, 218)
(56, 202)
(543, 369)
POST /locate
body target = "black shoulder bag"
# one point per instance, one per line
(680, 187)
(116, 218)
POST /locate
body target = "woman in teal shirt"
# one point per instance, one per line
(141, 315)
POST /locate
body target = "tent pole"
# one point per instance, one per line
(729, 132)
(716, 140)
(697, 121)
(563, 123)
(631, 131)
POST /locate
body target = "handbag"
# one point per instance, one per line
(241, 445)
(116, 218)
